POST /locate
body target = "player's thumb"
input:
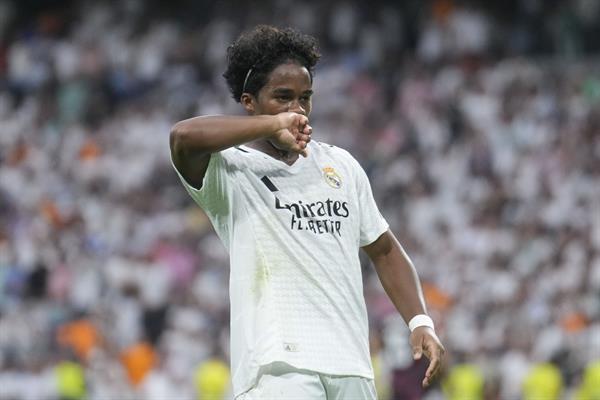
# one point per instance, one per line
(417, 352)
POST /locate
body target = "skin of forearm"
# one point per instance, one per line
(209, 134)
(398, 276)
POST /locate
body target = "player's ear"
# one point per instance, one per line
(248, 101)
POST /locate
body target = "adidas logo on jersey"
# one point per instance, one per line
(292, 347)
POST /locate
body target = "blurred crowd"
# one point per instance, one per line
(479, 127)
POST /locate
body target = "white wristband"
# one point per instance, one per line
(420, 320)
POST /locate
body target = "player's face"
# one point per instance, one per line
(288, 88)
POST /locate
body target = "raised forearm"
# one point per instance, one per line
(209, 134)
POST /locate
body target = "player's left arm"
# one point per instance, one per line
(401, 282)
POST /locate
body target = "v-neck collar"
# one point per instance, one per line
(285, 166)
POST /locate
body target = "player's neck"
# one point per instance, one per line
(267, 147)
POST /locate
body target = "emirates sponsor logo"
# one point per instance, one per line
(318, 217)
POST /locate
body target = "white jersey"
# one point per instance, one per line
(293, 234)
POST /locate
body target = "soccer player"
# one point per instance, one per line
(293, 214)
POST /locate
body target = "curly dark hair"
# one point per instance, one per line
(263, 49)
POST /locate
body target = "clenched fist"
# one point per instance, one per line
(294, 133)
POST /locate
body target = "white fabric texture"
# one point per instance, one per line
(280, 381)
(293, 235)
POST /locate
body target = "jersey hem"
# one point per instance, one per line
(319, 371)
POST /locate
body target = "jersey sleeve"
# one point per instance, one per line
(215, 194)
(372, 223)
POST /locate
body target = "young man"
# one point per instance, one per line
(293, 214)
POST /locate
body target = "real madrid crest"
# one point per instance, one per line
(332, 178)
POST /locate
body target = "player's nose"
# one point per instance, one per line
(294, 106)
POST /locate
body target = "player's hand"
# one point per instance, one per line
(294, 133)
(423, 340)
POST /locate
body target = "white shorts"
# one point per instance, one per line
(280, 381)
